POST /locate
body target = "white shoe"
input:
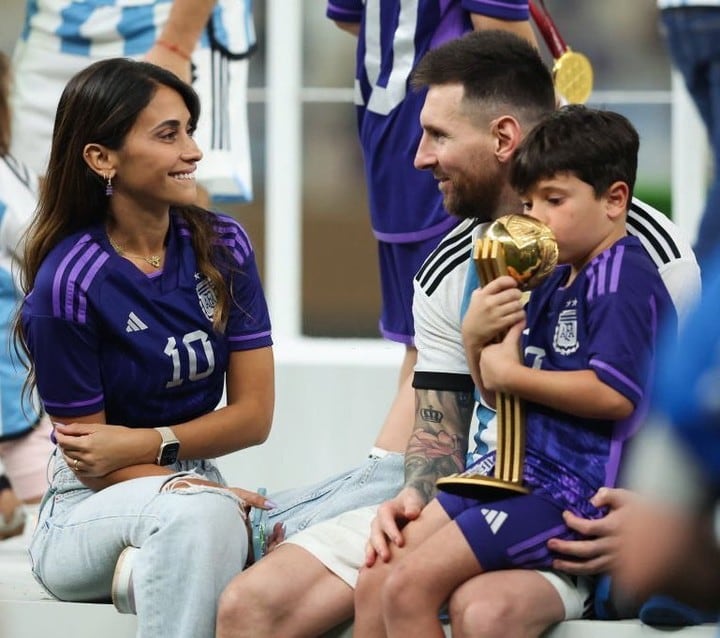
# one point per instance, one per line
(123, 594)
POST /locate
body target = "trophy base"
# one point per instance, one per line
(480, 487)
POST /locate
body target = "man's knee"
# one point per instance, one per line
(399, 592)
(239, 607)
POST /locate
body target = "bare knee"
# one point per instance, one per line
(491, 606)
(489, 618)
(366, 591)
(400, 596)
(241, 609)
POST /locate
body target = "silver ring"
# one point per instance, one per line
(75, 465)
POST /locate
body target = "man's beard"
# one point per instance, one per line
(478, 200)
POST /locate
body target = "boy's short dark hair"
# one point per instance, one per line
(598, 147)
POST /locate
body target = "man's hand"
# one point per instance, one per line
(386, 527)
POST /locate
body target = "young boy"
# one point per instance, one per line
(588, 341)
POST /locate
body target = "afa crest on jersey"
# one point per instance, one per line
(207, 297)
(565, 340)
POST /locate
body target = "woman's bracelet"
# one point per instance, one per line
(170, 46)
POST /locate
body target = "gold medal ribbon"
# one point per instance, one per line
(572, 71)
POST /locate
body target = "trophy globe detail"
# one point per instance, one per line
(525, 249)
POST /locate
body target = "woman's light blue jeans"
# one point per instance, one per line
(191, 541)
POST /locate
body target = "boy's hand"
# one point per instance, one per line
(498, 359)
(493, 309)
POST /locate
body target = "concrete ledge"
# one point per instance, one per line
(26, 611)
(32, 619)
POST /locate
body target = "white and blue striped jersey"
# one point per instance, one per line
(446, 280)
(18, 199)
(112, 28)
(106, 336)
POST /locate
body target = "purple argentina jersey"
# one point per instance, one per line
(606, 320)
(405, 204)
(104, 335)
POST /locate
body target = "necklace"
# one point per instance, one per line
(153, 260)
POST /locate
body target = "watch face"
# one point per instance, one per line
(169, 453)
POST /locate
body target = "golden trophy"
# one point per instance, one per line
(572, 71)
(525, 249)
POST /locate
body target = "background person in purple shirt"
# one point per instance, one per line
(140, 309)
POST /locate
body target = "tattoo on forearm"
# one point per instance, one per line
(439, 441)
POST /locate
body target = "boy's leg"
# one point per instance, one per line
(506, 603)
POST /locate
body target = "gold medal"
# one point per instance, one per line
(572, 71)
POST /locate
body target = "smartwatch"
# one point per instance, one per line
(169, 447)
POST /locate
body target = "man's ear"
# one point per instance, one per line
(507, 133)
(99, 159)
(617, 198)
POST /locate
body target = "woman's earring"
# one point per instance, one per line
(108, 186)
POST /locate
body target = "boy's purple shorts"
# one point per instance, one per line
(508, 533)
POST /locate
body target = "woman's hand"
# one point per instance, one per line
(96, 449)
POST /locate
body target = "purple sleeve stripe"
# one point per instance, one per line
(74, 404)
(257, 335)
(185, 232)
(232, 247)
(615, 269)
(613, 372)
(72, 290)
(60, 273)
(601, 279)
(238, 235)
(592, 282)
(241, 253)
(85, 284)
(508, 10)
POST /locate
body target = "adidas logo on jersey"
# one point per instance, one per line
(494, 518)
(134, 323)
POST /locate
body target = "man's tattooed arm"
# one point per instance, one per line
(439, 441)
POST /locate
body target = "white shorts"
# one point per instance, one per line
(339, 544)
(40, 75)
